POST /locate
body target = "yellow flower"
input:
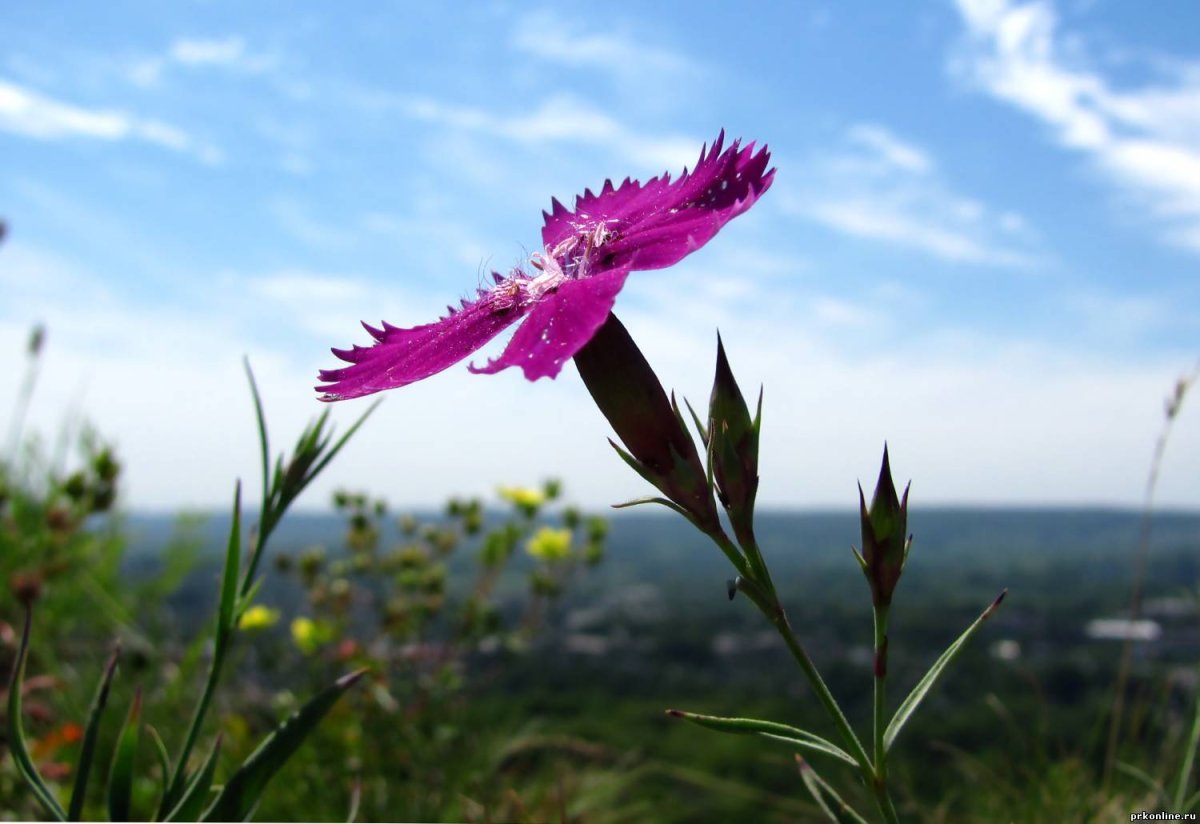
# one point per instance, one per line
(258, 617)
(523, 496)
(308, 634)
(549, 544)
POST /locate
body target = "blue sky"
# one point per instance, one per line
(982, 242)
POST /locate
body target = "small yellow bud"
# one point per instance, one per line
(549, 544)
(258, 617)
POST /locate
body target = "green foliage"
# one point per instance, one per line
(183, 793)
(429, 607)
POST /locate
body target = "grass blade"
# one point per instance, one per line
(244, 788)
(914, 699)
(16, 730)
(164, 767)
(120, 782)
(827, 799)
(229, 577)
(192, 803)
(226, 619)
(87, 751)
(767, 729)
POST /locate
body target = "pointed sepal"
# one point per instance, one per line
(733, 445)
(885, 542)
(647, 422)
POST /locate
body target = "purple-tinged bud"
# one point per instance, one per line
(659, 447)
(884, 535)
(733, 447)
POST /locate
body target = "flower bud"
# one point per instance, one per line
(631, 398)
(733, 447)
(884, 536)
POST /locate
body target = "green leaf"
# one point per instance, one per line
(768, 729)
(244, 788)
(87, 751)
(120, 781)
(355, 801)
(1147, 780)
(914, 699)
(827, 799)
(192, 803)
(229, 578)
(16, 731)
(164, 767)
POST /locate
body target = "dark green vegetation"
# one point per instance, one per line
(571, 718)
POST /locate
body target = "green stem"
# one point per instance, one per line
(175, 786)
(775, 613)
(880, 671)
(766, 600)
(780, 622)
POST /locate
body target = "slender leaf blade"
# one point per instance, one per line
(794, 736)
(164, 768)
(192, 803)
(242, 791)
(16, 729)
(87, 750)
(914, 699)
(229, 577)
(826, 797)
(120, 781)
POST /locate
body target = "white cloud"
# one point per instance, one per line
(881, 187)
(228, 53)
(890, 148)
(1143, 139)
(198, 52)
(559, 119)
(550, 36)
(32, 115)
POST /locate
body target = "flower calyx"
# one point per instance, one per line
(885, 542)
(657, 444)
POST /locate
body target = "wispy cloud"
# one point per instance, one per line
(29, 114)
(877, 186)
(1143, 139)
(229, 54)
(547, 35)
(559, 119)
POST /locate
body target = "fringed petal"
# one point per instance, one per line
(403, 356)
(659, 222)
(559, 326)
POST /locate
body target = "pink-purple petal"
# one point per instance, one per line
(659, 222)
(559, 326)
(403, 356)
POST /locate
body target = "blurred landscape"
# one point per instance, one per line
(651, 628)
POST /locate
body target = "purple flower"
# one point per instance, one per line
(587, 256)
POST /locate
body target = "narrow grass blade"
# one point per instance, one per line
(164, 767)
(337, 447)
(16, 729)
(1146, 780)
(263, 442)
(827, 799)
(120, 782)
(229, 577)
(87, 750)
(244, 788)
(355, 801)
(768, 729)
(1189, 759)
(914, 699)
(192, 803)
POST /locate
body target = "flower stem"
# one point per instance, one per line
(881, 663)
(767, 601)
